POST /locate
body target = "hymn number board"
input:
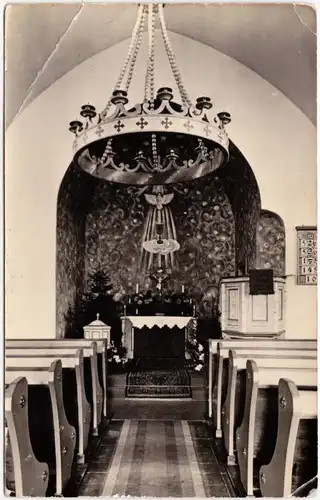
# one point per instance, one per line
(307, 255)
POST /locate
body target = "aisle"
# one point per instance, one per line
(156, 458)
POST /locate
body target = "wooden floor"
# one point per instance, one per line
(156, 458)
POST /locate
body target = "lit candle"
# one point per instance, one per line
(137, 288)
(182, 289)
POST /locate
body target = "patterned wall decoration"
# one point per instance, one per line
(243, 191)
(114, 228)
(205, 230)
(271, 243)
(73, 198)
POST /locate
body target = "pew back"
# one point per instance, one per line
(232, 410)
(239, 359)
(52, 343)
(301, 344)
(219, 390)
(27, 356)
(290, 343)
(61, 347)
(35, 368)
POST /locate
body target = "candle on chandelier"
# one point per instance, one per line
(182, 289)
(137, 288)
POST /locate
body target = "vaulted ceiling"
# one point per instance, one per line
(45, 41)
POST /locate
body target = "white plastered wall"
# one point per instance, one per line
(278, 141)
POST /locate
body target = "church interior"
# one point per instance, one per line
(161, 250)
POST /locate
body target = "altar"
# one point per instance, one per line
(131, 325)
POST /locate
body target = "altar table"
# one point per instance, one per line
(129, 323)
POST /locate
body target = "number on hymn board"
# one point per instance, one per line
(311, 280)
(307, 256)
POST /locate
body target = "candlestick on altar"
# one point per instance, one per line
(137, 288)
(124, 310)
(194, 311)
(182, 289)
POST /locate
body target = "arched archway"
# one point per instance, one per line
(100, 224)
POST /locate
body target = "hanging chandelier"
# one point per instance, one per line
(158, 141)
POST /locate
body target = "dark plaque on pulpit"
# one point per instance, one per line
(261, 281)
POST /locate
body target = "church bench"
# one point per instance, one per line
(235, 343)
(295, 407)
(256, 436)
(53, 441)
(24, 474)
(92, 383)
(232, 410)
(220, 387)
(102, 346)
(77, 407)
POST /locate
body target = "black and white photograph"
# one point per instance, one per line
(160, 250)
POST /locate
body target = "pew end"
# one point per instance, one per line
(228, 409)
(245, 433)
(31, 477)
(256, 438)
(64, 435)
(294, 405)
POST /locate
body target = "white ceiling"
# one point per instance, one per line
(45, 41)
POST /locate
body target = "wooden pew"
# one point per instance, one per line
(64, 435)
(89, 352)
(256, 436)
(29, 477)
(233, 408)
(34, 366)
(102, 347)
(220, 388)
(294, 406)
(234, 344)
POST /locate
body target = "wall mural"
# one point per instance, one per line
(73, 198)
(271, 243)
(243, 191)
(204, 226)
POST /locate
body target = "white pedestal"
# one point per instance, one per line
(245, 315)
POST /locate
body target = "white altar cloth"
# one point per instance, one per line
(160, 321)
(129, 323)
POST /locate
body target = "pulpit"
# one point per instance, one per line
(244, 314)
(130, 324)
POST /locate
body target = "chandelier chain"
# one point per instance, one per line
(136, 49)
(154, 149)
(133, 43)
(172, 60)
(149, 80)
